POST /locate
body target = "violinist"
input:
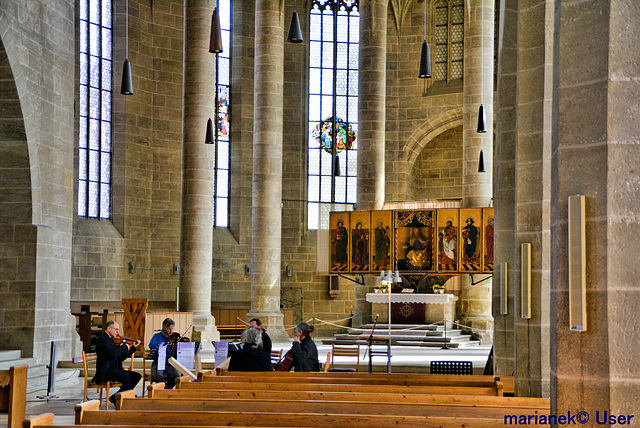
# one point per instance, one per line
(170, 373)
(111, 351)
(304, 349)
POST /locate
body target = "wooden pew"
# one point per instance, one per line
(13, 394)
(495, 390)
(366, 397)
(87, 414)
(362, 379)
(275, 405)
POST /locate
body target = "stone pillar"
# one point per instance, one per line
(477, 186)
(267, 168)
(371, 104)
(362, 309)
(197, 173)
(596, 153)
(533, 181)
(505, 244)
(478, 88)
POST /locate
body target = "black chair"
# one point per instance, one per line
(452, 367)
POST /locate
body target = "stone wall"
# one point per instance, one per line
(437, 172)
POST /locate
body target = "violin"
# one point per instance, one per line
(177, 337)
(287, 362)
(119, 340)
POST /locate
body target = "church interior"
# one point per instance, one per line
(208, 157)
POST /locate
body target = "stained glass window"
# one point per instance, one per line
(223, 74)
(449, 40)
(334, 37)
(94, 141)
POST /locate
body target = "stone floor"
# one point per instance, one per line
(404, 359)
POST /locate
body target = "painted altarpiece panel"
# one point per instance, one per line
(470, 243)
(448, 236)
(339, 232)
(360, 234)
(487, 223)
(381, 238)
(415, 240)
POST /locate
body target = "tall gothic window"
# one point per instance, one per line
(449, 37)
(221, 158)
(334, 37)
(94, 142)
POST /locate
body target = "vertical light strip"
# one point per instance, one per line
(577, 263)
(503, 288)
(525, 279)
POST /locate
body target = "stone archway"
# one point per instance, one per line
(18, 236)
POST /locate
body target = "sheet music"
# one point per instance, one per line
(221, 352)
(162, 356)
(186, 354)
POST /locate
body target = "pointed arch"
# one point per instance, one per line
(426, 132)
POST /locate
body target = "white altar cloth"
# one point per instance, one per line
(432, 299)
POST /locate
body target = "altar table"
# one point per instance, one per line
(413, 308)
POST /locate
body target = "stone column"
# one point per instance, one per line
(478, 88)
(371, 104)
(504, 347)
(267, 168)
(596, 153)
(196, 242)
(477, 186)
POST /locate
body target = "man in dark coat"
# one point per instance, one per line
(266, 340)
(109, 360)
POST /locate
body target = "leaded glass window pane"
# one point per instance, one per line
(449, 38)
(222, 120)
(334, 37)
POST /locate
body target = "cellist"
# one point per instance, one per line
(304, 349)
(111, 351)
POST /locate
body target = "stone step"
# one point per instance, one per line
(10, 355)
(5, 365)
(384, 326)
(41, 380)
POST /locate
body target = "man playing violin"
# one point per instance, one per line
(170, 373)
(111, 351)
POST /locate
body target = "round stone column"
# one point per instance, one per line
(371, 104)
(196, 241)
(475, 302)
(478, 89)
(267, 168)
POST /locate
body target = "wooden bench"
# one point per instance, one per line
(275, 404)
(13, 394)
(367, 397)
(88, 414)
(363, 379)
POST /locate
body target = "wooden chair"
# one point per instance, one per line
(98, 386)
(276, 356)
(146, 361)
(345, 351)
(327, 363)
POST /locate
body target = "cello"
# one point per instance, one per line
(288, 360)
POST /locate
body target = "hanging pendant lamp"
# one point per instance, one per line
(208, 139)
(336, 167)
(126, 87)
(295, 34)
(425, 58)
(481, 162)
(215, 40)
(482, 120)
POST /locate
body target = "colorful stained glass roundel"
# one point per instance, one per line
(345, 135)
